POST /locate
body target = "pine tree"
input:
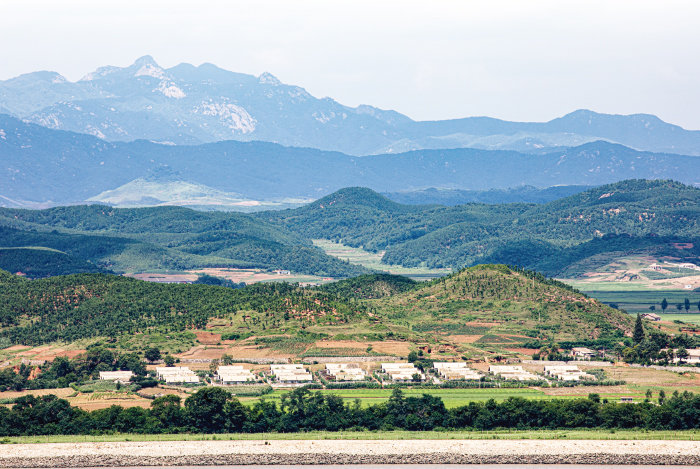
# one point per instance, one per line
(664, 304)
(638, 330)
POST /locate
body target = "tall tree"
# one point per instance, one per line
(638, 330)
(664, 304)
(687, 305)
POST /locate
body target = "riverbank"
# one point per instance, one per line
(268, 452)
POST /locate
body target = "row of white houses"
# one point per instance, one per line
(567, 373)
(397, 371)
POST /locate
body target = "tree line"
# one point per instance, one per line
(215, 410)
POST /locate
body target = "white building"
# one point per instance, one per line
(512, 372)
(176, 374)
(566, 373)
(294, 373)
(693, 356)
(234, 374)
(455, 370)
(402, 371)
(583, 353)
(345, 371)
(120, 376)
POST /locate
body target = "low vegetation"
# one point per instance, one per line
(214, 410)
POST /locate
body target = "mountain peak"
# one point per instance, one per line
(145, 60)
(358, 196)
(268, 78)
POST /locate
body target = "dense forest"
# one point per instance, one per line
(634, 216)
(171, 238)
(73, 307)
(215, 410)
(628, 216)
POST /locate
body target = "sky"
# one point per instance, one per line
(517, 60)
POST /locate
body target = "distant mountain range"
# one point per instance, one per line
(521, 194)
(191, 105)
(45, 167)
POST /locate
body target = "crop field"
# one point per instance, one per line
(373, 260)
(640, 301)
(451, 397)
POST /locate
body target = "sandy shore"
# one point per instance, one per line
(174, 453)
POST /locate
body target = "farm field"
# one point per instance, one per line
(373, 261)
(640, 301)
(247, 276)
(688, 435)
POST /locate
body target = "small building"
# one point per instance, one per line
(651, 317)
(402, 371)
(345, 371)
(693, 356)
(567, 373)
(583, 353)
(176, 375)
(627, 400)
(234, 374)
(455, 370)
(655, 267)
(294, 373)
(118, 376)
(282, 272)
(512, 373)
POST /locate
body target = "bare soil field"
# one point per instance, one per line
(45, 352)
(464, 339)
(96, 401)
(210, 352)
(59, 392)
(207, 338)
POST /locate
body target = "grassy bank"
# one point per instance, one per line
(689, 435)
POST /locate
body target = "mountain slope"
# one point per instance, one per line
(495, 303)
(50, 167)
(516, 234)
(189, 104)
(171, 238)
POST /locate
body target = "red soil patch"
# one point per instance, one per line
(207, 338)
(51, 354)
(683, 245)
(464, 339)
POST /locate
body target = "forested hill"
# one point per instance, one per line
(489, 299)
(629, 216)
(626, 215)
(504, 304)
(174, 238)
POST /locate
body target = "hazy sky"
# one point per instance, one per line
(517, 60)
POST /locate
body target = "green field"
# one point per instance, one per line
(640, 301)
(686, 435)
(451, 397)
(373, 260)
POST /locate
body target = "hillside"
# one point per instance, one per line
(548, 237)
(188, 104)
(493, 304)
(48, 167)
(164, 238)
(450, 197)
(474, 308)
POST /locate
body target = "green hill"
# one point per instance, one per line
(492, 304)
(547, 237)
(42, 262)
(497, 304)
(172, 238)
(371, 286)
